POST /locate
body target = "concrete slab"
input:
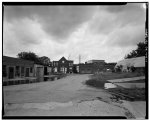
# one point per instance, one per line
(126, 79)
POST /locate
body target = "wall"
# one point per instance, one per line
(13, 62)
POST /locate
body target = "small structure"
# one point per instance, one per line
(39, 72)
(17, 70)
(132, 64)
(62, 66)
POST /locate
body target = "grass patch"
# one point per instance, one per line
(98, 80)
(95, 83)
(110, 76)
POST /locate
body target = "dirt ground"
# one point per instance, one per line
(68, 96)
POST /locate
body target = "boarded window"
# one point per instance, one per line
(17, 73)
(22, 71)
(4, 71)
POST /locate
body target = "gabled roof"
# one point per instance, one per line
(63, 58)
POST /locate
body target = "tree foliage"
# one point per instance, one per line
(33, 57)
(140, 51)
(28, 56)
(44, 60)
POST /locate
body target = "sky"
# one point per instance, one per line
(93, 32)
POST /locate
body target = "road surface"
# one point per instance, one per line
(68, 96)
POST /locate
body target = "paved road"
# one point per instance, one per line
(68, 96)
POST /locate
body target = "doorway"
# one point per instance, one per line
(11, 73)
(45, 71)
(27, 72)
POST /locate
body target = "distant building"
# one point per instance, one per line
(62, 66)
(131, 64)
(110, 66)
(95, 66)
(96, 61)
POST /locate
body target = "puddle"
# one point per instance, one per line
(51, 78)
(18, 82)
(109, 85)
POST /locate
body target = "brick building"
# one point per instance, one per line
(95, 66)
(62, 66)
(14, 67)
(20, 71)
(17, 70)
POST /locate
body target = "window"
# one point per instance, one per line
(22, 71)
(4, 71)
(31, 70)
(70, 64)
(55, 69)
(17, 73)
(63, 61)
(61, 69)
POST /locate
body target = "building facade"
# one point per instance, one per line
(96, 61)
(15, 69)
(62, 66)
(20, 71)
(95, 66)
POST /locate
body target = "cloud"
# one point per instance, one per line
(58, 21)
(21, 35)
(94, 32)
(127, 36)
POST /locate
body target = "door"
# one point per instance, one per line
(27, 72)
(11, 73)
(45, 71)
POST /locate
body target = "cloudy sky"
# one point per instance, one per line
(94, 32)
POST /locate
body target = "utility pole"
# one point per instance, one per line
(79, 59)
(68, 56)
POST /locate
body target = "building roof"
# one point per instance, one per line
(136, 62)
(95, 61)
(16, 61)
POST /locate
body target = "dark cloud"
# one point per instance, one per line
(112, 17)
(58, 21)
(106, 32)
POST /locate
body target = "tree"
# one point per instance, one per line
(140, 51)
(44, 60)
(29, 56)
